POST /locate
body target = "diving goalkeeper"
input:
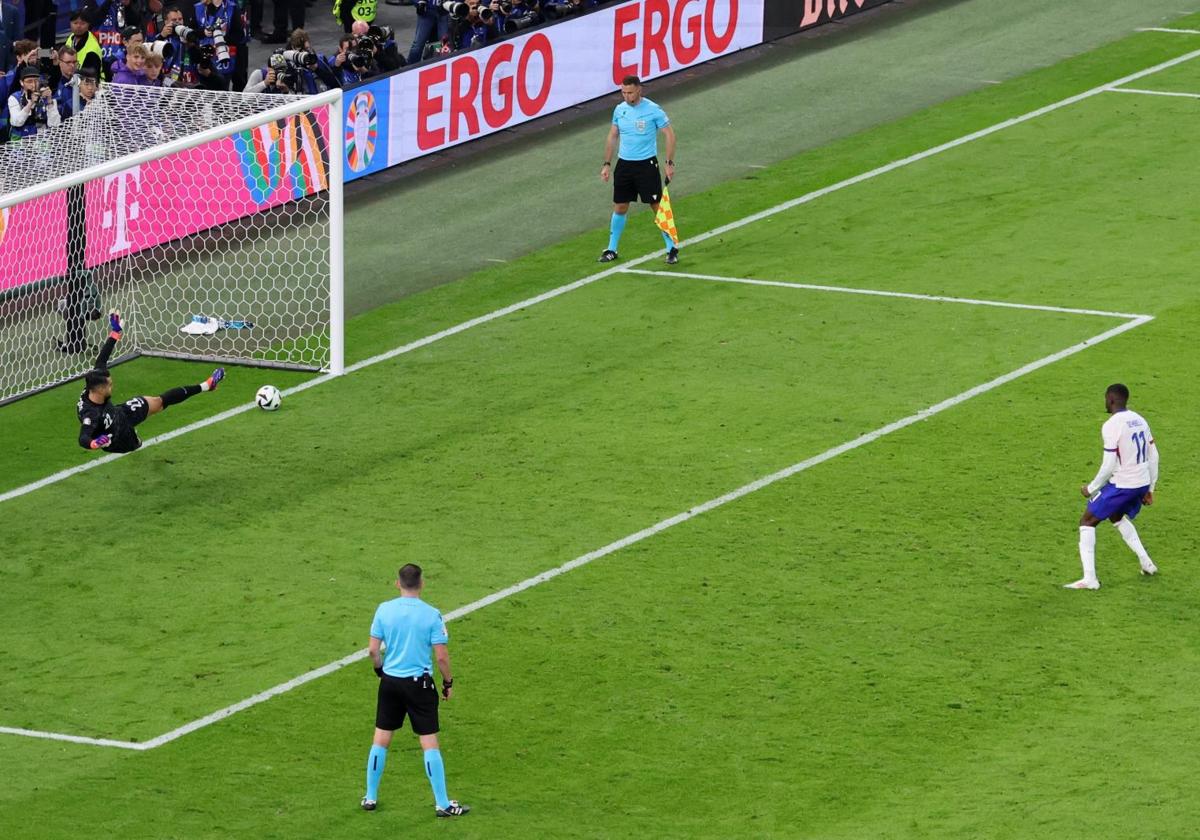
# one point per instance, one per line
(103, 425)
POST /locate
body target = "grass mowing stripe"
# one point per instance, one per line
(560, 290)
(878, 293)
(624, 542)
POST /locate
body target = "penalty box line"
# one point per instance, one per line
(62, 475)
(849, 290)
(613, 547)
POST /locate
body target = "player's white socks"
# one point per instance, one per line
(1130, 535)
(1087, 552)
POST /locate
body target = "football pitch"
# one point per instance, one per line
(768, 543)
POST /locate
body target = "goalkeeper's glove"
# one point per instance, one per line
(101, 442)
(115, 325)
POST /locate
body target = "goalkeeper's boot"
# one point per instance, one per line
(1148, 568)
(1083, 583)
(672, 256)
(607, 256)
(214, 380)
(367, 804)
(454, 810)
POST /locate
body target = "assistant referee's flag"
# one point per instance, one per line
(665, 217)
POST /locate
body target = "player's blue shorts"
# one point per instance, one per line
(1117, 501)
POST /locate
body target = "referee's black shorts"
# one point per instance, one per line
(416, 697)
(637, 179)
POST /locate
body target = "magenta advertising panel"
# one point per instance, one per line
(165, 199)
(33, 240)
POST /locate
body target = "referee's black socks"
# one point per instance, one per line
(178, 395)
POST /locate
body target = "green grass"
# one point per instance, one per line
(877, 647)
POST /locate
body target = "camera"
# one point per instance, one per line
(422, 6)
(457, 10)
(287, 78)
(222, 49)
(299, 59)
(360, 59)
(205, 56)
(558, 9)
(381, 34)
(185, 34)
(163, 49)
(525, 21)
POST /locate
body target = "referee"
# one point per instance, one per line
(637, 122)
(409, 629)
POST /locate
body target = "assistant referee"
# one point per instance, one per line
(636, 121)
(408, 630)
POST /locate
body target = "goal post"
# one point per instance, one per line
(212, 220)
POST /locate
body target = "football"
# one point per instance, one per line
(268, 398)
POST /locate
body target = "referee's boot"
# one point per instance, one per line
(672, 256)
(607, 256)
(454, 810)
(368, 804)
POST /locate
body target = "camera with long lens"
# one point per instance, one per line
(205, 57)
(558, 9)
(381, 34)
(523, 21)
(186, 34)
(163, 49)
(299, 59)
(456, 9)
(222, 48)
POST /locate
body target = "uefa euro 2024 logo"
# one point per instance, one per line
(362, 129)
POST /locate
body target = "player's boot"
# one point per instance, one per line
(367, 804)
(1082, 583)
(1148, 568)
(214, 380)
(454, 810)
(672, 256)
(607, 256)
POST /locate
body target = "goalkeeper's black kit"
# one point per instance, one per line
(117, 421)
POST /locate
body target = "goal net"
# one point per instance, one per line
(211, 220)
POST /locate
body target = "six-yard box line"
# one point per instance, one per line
(1131, 321)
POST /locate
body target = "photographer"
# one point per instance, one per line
(433, 25)
(111, 19)
(31, 108)
(224, 25)
(471, 25)
(218, 22)
(517, 14)
(172, 43)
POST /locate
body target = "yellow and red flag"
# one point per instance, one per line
(665, 217)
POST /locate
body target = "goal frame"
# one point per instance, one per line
(331, 101)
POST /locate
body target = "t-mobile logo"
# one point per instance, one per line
(126, 207)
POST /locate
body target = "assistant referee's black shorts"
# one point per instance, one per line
(416, 697)
(637, 179)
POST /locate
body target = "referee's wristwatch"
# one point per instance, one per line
(606, 163)
(670, 163)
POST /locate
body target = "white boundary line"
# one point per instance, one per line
(1168, 29)
(666, 523)
(1133, 322)
(578, 284)
(877, 293)
(1154, 92)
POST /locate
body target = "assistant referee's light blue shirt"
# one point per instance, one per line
(408, 627)
(639, 126)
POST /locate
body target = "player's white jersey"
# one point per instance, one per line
(1128, 434)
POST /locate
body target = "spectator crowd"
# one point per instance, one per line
(207, 45)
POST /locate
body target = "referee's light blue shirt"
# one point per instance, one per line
(639, 126)
(408, 627)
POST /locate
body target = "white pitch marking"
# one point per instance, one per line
(878, 293)
(74, 739)
(1155, 92)
(624, 542)
(570, 287)
(1168, 29)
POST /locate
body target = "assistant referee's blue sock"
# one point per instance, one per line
(375, 762)
(615, 230)
(667, 238)
(436, 771)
